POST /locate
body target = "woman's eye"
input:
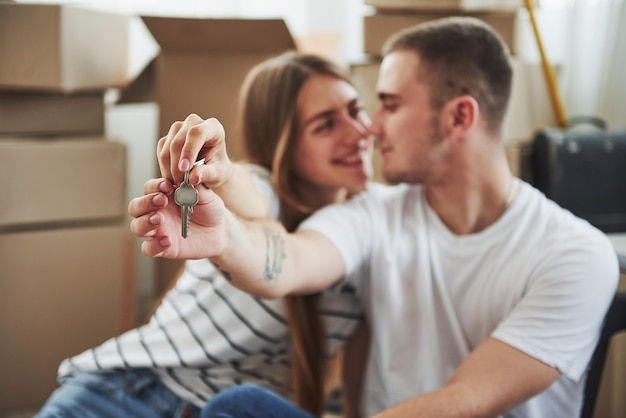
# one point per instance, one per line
(324, 126)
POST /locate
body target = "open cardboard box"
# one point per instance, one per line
(199, 69)
(201, 66)
(64, 48)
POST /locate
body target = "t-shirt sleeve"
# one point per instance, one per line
(559, 317)
(349, 226)
(262, 179)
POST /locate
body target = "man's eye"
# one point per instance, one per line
(390, 107)
(356, 111)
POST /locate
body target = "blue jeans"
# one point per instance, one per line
(124, 393)
(249, 401)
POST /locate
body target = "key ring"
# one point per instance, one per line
(186, 178)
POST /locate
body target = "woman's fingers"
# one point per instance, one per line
(187, 142)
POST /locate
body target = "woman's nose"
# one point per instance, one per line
(358, 128)
(374, 127)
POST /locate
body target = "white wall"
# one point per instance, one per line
(135, 125)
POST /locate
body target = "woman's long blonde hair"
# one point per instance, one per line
(269, 123)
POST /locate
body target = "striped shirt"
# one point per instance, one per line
(207, 335)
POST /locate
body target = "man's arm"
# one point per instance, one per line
(493, 379)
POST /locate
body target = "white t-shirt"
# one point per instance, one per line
(538, 279)
(207, 335)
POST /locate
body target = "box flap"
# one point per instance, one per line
(141, 89)
(226, 35)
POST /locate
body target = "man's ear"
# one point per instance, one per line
(461, 114)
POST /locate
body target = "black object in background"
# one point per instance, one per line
(583, 171)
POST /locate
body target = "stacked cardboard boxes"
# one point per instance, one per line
(450, 5)
(379, 26)
(529, 108)
(200, 69)
(66, 253)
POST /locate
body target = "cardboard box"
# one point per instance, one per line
(62, 291)
(202, 64)
(379, 27)
(62, 48)
(464, 5)
(53, 181)
(33, 113)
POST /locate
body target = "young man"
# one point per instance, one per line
(483, 297)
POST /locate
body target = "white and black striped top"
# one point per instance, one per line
(207, 335)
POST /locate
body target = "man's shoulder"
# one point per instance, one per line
(555, 217)
(566, 233)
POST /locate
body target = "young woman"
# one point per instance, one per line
(302, 125)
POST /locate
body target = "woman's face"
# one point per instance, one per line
(334, 149)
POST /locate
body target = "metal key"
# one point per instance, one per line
(186, 196)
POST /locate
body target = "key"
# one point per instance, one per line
(186, 196)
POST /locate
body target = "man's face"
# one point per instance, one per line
(407, 128)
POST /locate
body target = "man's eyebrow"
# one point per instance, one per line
(354, 102)
(382, 96)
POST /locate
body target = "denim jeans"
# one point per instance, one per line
(115, 394)
(250, 401)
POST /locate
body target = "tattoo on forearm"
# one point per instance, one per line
(274, 255)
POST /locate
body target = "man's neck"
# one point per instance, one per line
(470, 205)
